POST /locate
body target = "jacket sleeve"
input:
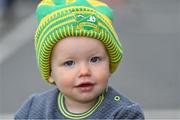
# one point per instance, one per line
(24, 110)
(130, 112)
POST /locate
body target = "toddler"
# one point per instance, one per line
(77, 50)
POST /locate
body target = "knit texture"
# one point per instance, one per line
(45, 106)
(58, 19)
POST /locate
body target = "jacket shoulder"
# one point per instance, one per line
(121, 106)
(37, 105)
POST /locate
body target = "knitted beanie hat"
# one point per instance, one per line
(58, 19)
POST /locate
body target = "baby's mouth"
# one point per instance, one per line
(85, 87)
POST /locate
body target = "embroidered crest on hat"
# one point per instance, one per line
(87, 22)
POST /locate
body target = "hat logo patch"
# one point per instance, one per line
(92, 19)
(87, 22)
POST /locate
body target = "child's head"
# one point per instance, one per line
(80, 68)
(75, 20)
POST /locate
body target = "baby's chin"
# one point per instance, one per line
(89, 97)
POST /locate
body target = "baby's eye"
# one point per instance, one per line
(95, 59)
(69, 63)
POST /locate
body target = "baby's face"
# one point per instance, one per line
(80, 68)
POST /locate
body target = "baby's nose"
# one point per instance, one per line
(84, 70)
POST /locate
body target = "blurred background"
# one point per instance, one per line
(149, 73)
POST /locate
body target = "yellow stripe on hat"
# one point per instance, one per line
(44, 30)
(96, 3)
(46, 2)
(70, 1)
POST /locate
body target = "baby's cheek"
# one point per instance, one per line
(105, 72)
(62, 82)
(62, 85)
(103, 76)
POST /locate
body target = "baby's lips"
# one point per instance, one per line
(85, 84)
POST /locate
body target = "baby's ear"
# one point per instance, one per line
(51, 80)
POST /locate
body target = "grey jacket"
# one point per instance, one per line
(45, 106)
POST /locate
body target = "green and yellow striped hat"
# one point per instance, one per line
(58, 19)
